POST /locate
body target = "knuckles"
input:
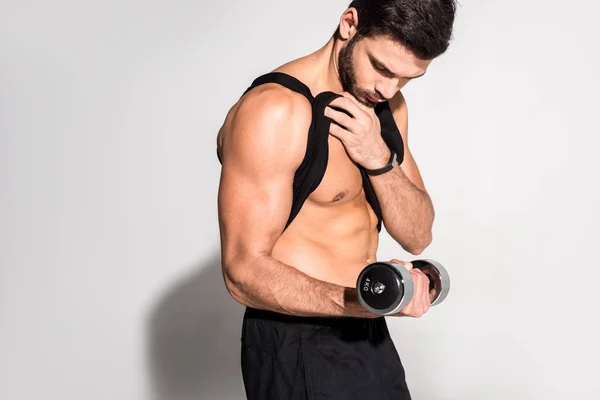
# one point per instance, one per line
(421, 301)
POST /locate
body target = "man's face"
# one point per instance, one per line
(375, 69)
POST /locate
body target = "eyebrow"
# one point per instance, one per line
(382, 65)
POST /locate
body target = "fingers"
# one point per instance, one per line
(422, 291)
(420, 274)
(422, 294)
(346, 102)
(354, 125)
(421, 300)
(341, 118)
(406, 264)
(432, 295)
(339, 133)
(358, 103)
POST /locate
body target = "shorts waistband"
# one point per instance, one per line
(254, 313)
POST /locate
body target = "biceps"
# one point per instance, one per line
(253, 211)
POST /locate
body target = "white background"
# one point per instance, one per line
(109, 266)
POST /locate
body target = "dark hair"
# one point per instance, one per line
(424, 27)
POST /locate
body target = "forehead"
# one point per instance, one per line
(393, 54)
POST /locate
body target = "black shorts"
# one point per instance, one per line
(296, 358)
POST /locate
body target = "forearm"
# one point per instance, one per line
(269, 284)
(408, 212)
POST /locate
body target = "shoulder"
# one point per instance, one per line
(270, 120)
(273, 102)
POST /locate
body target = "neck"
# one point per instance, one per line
(325, 72)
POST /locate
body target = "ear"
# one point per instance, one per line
(348, 24)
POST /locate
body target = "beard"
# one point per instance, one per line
(347, 73)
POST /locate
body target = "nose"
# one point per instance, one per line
(386, 91)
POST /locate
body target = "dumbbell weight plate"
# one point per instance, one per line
(438, 275)
(384, 288)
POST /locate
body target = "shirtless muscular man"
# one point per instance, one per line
(301, 204)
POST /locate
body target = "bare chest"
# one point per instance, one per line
(342, 181)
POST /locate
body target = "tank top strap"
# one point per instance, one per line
(283, 79)
(389, 130)
(311, 171)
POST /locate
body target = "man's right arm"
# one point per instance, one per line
(262, 146)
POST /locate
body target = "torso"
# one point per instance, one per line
(335, 235)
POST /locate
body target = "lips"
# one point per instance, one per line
(373, 100)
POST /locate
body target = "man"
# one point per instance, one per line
(304, 334)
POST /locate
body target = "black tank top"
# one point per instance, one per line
(309, 174)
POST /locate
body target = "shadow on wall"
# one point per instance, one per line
(194, 332)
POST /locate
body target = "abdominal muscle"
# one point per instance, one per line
(331, 242)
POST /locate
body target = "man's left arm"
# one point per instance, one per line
(407, 209)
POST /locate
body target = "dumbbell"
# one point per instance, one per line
(385, 288)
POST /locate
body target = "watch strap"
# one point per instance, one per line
(388, 167)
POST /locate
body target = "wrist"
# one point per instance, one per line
(353, 307)
(382, 167)
(379, 162)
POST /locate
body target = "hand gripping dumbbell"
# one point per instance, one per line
(385, 288)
